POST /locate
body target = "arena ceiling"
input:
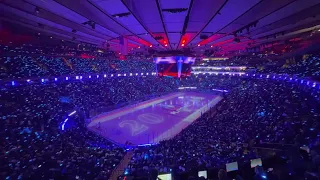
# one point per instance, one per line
(163, 25)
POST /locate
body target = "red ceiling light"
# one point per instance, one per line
(166, 45)
(211, 46)
(165, 42)
(182, 45)
(139, 47)
(198, 45)
(150, 45)
(183, 41)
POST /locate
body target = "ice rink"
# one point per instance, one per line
(153, 120)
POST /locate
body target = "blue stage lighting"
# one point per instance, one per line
(13, 83)
(55, 79)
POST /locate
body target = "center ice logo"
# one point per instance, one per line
(137, 127)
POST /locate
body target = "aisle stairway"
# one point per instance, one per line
(121, 166)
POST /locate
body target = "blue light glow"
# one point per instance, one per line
(13, 83)
(72, 113)
(126, 172)
(64, 123)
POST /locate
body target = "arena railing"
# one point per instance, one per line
(284, 77)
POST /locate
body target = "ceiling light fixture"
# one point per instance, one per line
(37, 10)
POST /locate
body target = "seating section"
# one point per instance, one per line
(253, 114)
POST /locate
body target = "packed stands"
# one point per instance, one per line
(255, 113)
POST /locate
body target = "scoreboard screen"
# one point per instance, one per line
(175, 66)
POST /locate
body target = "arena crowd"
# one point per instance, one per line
(253, 114)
